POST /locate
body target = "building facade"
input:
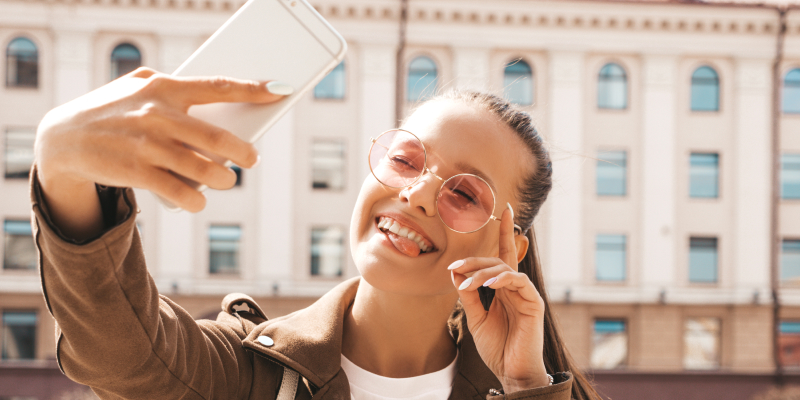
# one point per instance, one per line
(655, 238)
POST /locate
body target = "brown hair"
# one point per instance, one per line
(532, 193)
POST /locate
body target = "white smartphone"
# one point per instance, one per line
(281, 40)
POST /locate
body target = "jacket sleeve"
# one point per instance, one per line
(561, 389)
(114, 332)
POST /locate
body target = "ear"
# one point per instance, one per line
(521, 241)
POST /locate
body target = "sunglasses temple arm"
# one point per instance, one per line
(517, 228)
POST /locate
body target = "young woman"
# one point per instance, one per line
(450, 302)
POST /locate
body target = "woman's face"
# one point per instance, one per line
(457, 137)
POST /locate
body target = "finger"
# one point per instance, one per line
(143, 72)
(472, 264)
(517, 282)
(217, 89)
(470, 299)
(508, 248)
(480, 277)
(187, 163)
(174, 190)
(211, 138)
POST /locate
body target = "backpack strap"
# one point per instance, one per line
(288, 384)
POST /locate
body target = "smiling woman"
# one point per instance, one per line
(450, 303)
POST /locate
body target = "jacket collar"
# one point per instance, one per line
(309, 341)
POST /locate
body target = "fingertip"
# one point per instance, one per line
(279, 88)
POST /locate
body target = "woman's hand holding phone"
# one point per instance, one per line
(130, 133)
(510, 336)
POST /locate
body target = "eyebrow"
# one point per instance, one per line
(474, 171)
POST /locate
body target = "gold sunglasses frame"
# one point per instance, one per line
(425, 169)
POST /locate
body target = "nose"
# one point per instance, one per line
(422, 194)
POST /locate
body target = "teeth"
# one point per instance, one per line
(399, 230)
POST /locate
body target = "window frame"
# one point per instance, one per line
(34, 266)
(344, 142)
(718, 92)
(37, 46)
(626, 95)
(717, 268)
(625, 259)
(610, 164)
(718, 181)
(783, 162)
(36, 332)
(796, 111)
(342, 256)
(531, 86)
(627, 330)
(407, 77)
(111, 69)
(239, 246)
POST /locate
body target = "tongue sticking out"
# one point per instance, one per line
(405, 245)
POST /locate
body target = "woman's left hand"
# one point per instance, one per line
(510, 336)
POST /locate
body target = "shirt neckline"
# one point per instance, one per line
(399, 387)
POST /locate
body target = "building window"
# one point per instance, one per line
(791, 92)
(332, 86)
(238, 170)
(19, 152)
(790, 260)
(22, 64)
(705, 89)
(327, 164)
(518, 83)
(19, 251)
(124, 59)
(422, 79)
(327, 251)
(790, 176)
(223, 247)
(612, 87)
(789, 343)
(19, 335)
(610, 257)
(612, 173)
(701, 338)
(610, 344)
(704, 175)
(703, 260)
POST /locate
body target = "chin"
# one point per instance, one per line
(409, 278)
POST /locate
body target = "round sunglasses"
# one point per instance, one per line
(464, 202)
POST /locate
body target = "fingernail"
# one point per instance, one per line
(489, 282)
(279, 88)
(465, 284)
(512, 210)
(258, 161)
(456, 264)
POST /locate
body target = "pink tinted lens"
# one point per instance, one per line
(465, 203)
(397, 158)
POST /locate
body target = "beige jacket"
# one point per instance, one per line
(116, 334)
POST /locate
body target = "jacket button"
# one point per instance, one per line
(266, 340)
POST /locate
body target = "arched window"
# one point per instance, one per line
(124, 58)
(332, 86)
(422, 78)
(791, 92)
(518, 83)
(612, 87)
(705, 89)
(22, 63)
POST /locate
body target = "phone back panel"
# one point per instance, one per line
(265, 40)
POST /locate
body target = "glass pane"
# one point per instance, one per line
(19, 250)
(791, 92)
(332, 86)
(705, 89)
(701, 343)
(19, 335)
(22, 63)
(704, 175)
(611, 173)
(224, 249)
(610, 257)
(327, 164)
(703, 260)
(610, 344)
(518, 83)
(422, 79)
(789, 343)
(790, 260)
(612, 87)
(124, 59)
(790, 176)
(19, 152)
(327, 251)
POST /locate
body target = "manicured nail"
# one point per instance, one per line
(512, 210)
(279, 88)
(489, 282)
(456, 264)
(465, 284)
(258, 161)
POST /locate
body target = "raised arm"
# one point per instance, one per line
(116, 333)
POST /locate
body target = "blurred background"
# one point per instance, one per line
(671, 240)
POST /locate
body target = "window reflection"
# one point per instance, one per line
(705, 89)
(612, 87)
(518, 83)
(422, 79)
(22, 63)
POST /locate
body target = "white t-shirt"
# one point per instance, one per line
(365, 385)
